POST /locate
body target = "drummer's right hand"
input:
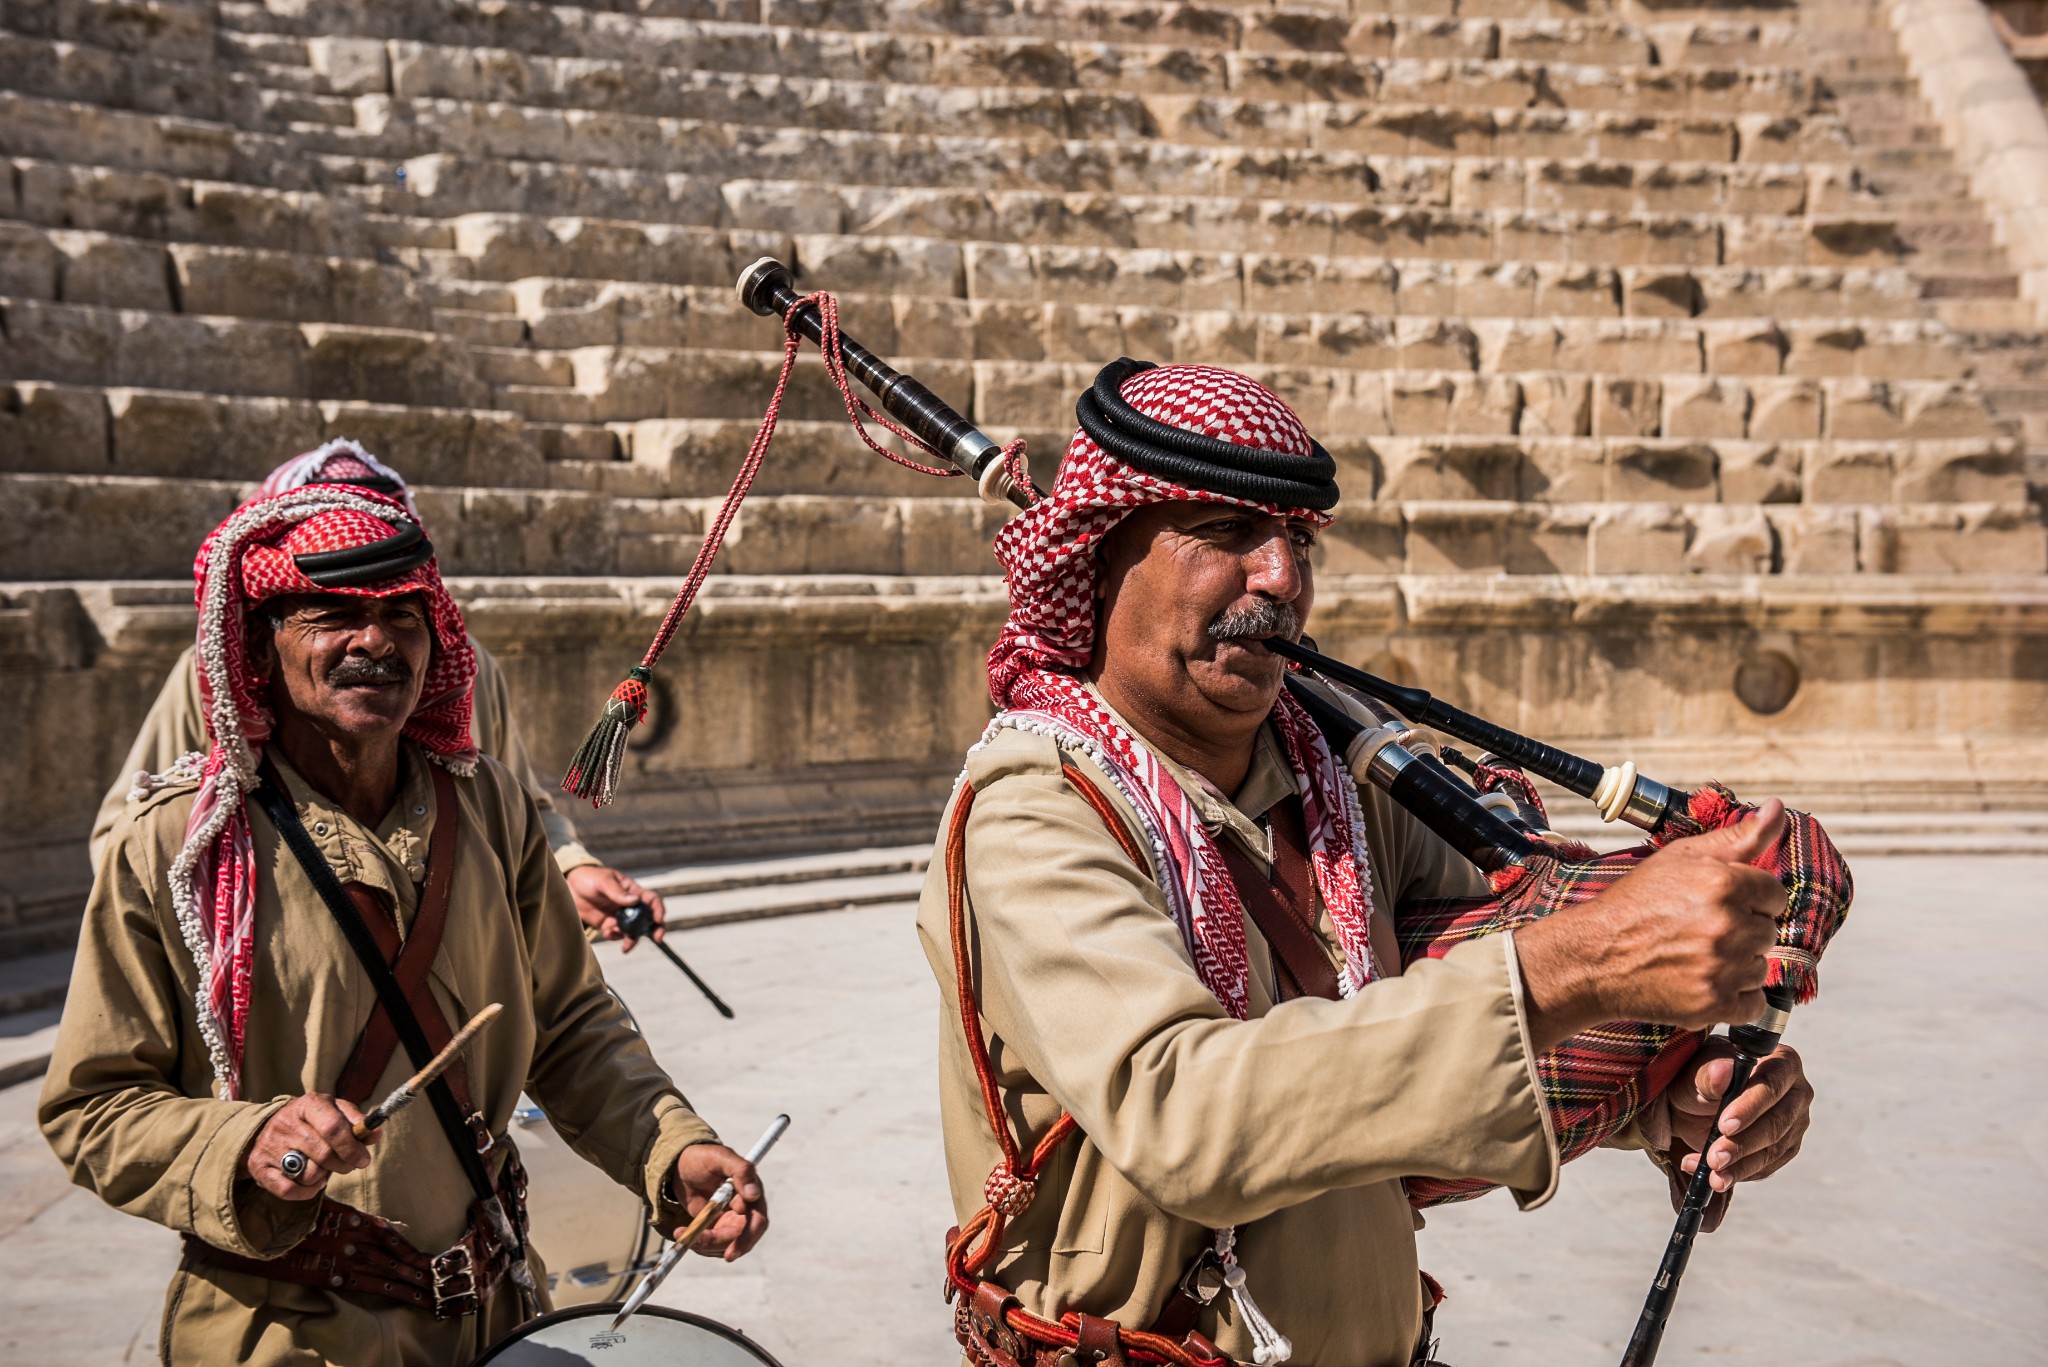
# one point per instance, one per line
(318, 1126)
(700, 1170)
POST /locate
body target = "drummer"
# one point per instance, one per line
(175, 726)
(222, 1030)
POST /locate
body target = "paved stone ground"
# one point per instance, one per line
(1907, 1233)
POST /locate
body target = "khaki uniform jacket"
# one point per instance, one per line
(176, 726)
(129, 1103)
(1295, 1125)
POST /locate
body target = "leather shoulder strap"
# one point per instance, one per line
(1283, 906)
(271, 797)
(412, 963)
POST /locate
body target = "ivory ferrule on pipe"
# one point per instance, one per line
(1625, 795)
(1368, 759)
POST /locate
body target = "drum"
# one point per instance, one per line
(590, 1232)
(653, 1337)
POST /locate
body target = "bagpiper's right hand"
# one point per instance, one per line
(1680, 940)
(320, 1129)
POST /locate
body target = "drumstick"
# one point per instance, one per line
(402, 1095)
(713, 1208)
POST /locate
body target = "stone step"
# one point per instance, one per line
(27, 1039)
(76, 522)
(1742, 442)
(31, 983)
(164, 31)
(2002, 356)
(720, 152)
(1196, 27)
(305, 285)
(625, 95)
(784, 871)
(1385, 126)
(695, 911)
(1562, 65)
(1044, 355)
(452, 188)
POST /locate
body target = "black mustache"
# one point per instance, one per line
(362, 669)
(1263, 617)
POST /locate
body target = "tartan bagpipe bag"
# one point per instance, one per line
(1597, 1081)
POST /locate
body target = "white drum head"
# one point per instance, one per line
(653, 1337)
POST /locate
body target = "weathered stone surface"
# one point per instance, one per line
(1573, 288)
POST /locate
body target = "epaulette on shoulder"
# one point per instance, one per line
(147, 789)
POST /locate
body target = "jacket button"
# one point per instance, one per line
(355, 1221)
(334, 1282)
(348, 1250)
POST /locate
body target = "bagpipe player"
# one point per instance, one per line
(1183, 1068)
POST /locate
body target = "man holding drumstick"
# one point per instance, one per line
(176, 725)
(278, 935)
(1173, 910)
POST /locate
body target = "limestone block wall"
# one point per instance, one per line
(1684, 393)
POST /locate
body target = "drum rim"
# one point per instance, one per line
(523, 1329)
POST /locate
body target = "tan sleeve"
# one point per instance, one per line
(174, 727)
(497, 735)
(111, 1107)
(592, 1072)
(1087, 982)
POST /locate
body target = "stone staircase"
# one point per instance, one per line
(1684, 310)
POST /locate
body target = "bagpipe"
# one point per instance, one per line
(1596, 1083)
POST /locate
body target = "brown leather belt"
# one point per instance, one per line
(350, 1250)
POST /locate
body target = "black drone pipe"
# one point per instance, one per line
(1424, 787)
(1752, 1042)
(1644, 802)
(768, 288)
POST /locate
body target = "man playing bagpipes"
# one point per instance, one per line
(1186, 1071)
(284, 930)
(176, 724)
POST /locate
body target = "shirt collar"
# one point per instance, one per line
(393, 857)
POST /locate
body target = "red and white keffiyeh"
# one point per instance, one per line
(1048, 554)
(341, 461)
(247, 560)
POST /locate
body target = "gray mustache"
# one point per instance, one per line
(1263, 617)
(361, 669)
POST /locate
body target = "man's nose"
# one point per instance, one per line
(373, 640)
(1272, 568)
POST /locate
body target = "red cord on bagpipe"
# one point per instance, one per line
(594, 771)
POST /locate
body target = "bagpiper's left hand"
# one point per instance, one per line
(1761, 1130)
(700, 1170)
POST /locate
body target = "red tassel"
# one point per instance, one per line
(594, 772)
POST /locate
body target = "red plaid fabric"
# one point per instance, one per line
(245, 561)
(1598, 1081)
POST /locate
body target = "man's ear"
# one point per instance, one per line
(260, 643)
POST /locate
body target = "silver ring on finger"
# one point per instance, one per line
(295, 1165)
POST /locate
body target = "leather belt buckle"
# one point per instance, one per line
(454, 1282)
(480, 1130)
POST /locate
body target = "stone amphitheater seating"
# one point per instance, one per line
(1635, 327)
